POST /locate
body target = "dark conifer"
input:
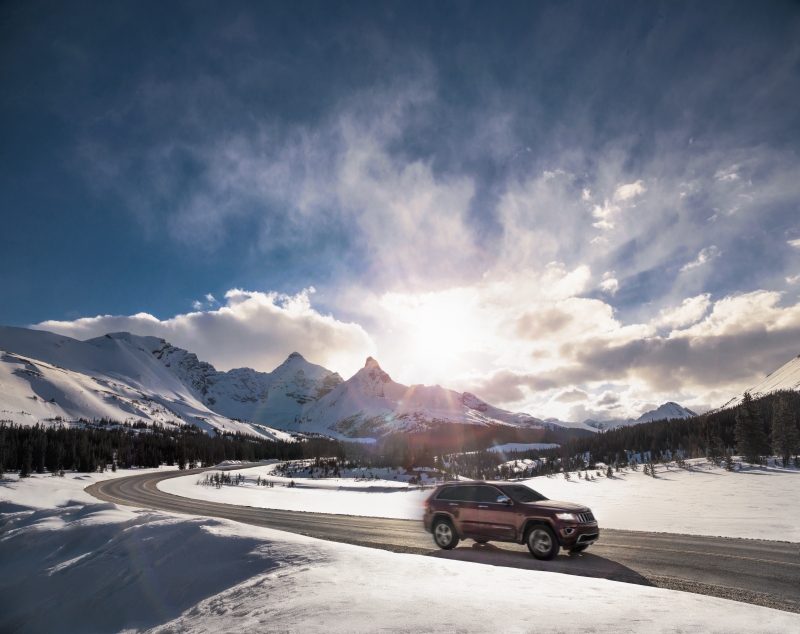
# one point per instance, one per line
(41, 448)
(27, 462)
(785, 438)
(751, 441)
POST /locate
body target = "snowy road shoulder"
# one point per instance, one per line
(89, 566)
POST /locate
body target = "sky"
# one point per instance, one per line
(578, 210)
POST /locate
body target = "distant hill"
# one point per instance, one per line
(667, 411)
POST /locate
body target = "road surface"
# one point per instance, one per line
(752, 571)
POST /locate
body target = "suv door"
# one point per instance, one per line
(497, 520)
(465, 508)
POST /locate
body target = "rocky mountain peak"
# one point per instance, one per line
(372, 363)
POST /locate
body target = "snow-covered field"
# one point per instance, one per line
(753, 502)
(75, 565)
(342, 496)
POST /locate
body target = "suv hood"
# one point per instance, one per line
(561, 506)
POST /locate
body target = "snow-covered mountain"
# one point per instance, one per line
(45, 377)
(787, 377)
(371, 404)
(126, 377)
(272, 398)
(667, 411)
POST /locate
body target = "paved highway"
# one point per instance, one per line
(753, 571)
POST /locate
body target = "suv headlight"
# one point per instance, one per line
(569, 517)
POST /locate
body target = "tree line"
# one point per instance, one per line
(90, 447)
(755, 428)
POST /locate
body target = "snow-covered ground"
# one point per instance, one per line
(751, 502)
(341, 496)
(76, 565)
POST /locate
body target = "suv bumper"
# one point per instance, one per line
(578, 535)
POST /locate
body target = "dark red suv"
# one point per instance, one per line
(507, 512)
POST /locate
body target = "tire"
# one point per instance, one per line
(444, 534)
(542, 542)
(579, 549)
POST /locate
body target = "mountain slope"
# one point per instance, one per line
(44, 376)
(787, 377)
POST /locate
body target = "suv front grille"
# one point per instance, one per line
(585, 518)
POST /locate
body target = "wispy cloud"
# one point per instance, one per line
(705, 255)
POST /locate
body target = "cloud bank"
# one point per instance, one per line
(252, 329)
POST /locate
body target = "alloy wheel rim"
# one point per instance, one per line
(443, 534)
(541, 542)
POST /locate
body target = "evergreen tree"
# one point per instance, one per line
(27, 462)
(751, 441)
(2, 450)
(785, 438)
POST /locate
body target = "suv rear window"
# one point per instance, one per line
(524, 494)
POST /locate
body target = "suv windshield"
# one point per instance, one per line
(524, 494)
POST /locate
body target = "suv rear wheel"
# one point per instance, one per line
(444, 534)
(542, 542)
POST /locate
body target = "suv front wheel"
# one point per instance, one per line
(444, 534)
(542, 542)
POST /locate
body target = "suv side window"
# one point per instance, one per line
(458, 494)
(448, 493)
(488, 494)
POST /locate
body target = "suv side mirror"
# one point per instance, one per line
(503, 499)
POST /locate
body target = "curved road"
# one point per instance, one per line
(752, 571)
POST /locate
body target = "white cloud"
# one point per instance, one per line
(626, 192)
(197, 305)
(609, 284)
(728, 175)
(793, 279)
(210, 298)
(705, 255)
(252, 329)
(690, 311)
(794, 243)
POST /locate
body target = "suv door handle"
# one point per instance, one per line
(453, 504)
(482, 506)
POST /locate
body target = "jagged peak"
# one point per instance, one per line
(294, 357)
(372, 363)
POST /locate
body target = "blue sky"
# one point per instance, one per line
(576, 208)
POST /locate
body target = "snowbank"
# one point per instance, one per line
(94, 567)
